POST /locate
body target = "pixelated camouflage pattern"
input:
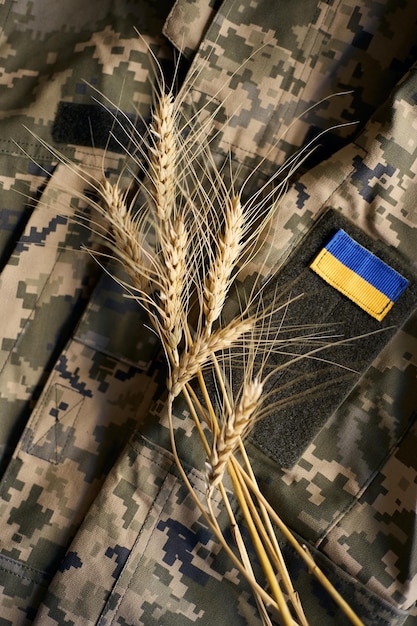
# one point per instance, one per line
(144, 540)
(187, 24)
(270, 67)
(60, 449)
(96, 526)
(57, 282)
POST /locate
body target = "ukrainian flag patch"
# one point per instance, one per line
(359, 274)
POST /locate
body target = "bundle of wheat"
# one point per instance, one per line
(183, 235)
(202, 235)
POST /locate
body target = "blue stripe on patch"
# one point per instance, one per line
(367, 265)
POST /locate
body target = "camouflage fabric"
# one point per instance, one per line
(96, 525)
(269, 68)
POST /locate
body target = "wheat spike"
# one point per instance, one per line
(125, 233)
(235, 427)
(173, 242)
(199, 352)
(163, 156)
(169, 223)
(218, 279)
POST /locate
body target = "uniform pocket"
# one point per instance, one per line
(145, 556)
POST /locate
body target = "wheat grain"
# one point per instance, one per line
(218, 279)
(235, 426)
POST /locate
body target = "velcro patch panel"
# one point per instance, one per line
(306, 391)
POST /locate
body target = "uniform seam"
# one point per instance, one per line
(114, 354)
(8, 12)
(30, 315)
(167, 25)
(23, 565)
(175, 475)
(21, 576)
(350, 580)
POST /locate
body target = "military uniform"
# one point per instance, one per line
(96, 525)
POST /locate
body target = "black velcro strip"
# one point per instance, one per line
(93, 125)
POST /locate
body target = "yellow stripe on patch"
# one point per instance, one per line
(351, 285)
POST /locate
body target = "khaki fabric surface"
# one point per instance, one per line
(96, 526)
